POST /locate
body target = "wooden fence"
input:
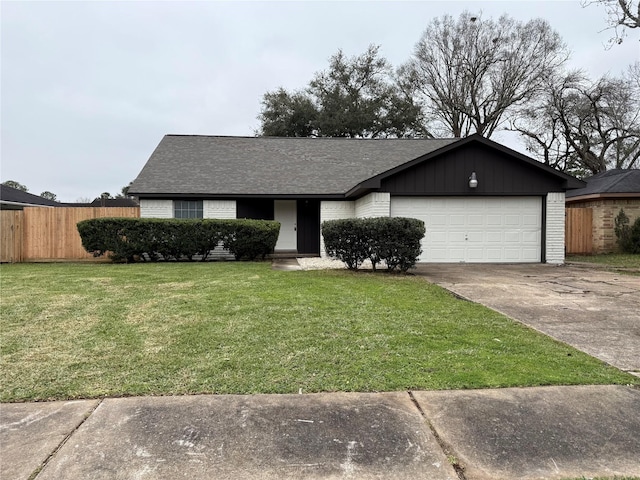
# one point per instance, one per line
(46, 234)
(579, 231)
(11, 236)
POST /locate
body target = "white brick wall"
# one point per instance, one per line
(555, 228)
(156, 208)
(376, 204)
(219, 209)
(334, 210)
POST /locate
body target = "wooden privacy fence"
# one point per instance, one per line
(11, 236)
(579, 231)
(41, 234)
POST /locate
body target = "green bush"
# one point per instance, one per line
(346, 241)
(129, 239)
(628, 237)
(394, 241)
(250, 239)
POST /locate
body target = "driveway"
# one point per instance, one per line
(595, 311)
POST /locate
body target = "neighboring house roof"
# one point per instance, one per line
(107, 202)
(616, 182)
(12, 197)
(193, 165)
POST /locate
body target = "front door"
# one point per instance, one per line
(309, 226)
(284, 211)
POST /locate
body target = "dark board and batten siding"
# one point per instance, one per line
(448, 174)
(255, 208)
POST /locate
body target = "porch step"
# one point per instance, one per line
(291, 254)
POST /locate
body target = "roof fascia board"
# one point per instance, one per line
(230, 196)
(20, 204)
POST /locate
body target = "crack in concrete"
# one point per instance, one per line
(445, 447)
(63, 442)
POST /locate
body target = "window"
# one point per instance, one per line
(187, 209)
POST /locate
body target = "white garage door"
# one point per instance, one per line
(476, 230)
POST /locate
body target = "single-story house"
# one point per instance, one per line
(480, 201)
(14, 199)
(606, 194)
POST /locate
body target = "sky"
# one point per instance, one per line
(89, 88)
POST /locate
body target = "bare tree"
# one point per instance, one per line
(472, 74)
(621, 14)
(585, 127)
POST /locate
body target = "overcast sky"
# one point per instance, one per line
(90, 88)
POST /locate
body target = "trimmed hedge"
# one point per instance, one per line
(394, 241)
(130, 239)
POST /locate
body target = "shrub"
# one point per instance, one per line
(250, 239)
(628, 237)
(176, 239)
(345, 240)
(394, 241)
(399, 242)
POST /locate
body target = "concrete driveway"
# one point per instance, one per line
(595, 311)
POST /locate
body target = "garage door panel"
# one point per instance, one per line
(438, 237)
(494, 237)
(487, 229)
(476, 254)
(457, 220)
(494, 220)
(476, 220)
(455, 237)
(438, 220)
(531, 220)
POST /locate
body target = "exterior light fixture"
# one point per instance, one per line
(473, 180)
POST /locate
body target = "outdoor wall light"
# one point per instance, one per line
(473, 180)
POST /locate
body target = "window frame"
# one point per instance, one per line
(188, 209)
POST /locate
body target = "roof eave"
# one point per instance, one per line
(231, 196)
(598, 196)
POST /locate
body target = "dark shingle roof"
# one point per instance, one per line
(13, 195)
(210, 165)
(106, 202)
(610, 182)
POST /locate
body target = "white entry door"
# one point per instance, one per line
(284, 211)
(476, 230)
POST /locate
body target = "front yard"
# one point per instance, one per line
(93, 330)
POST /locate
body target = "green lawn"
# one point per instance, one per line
(93, 330)
(613, 261)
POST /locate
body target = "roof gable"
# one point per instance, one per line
(447, 170)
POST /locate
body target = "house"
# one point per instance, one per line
(14, 199)
(118, 202)
(480, 201)
(605, 194)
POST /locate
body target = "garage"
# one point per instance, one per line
(476, 229)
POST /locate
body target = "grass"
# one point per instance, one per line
(93, 330)
(613, 261)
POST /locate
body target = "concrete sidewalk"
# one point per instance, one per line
(525, 433)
